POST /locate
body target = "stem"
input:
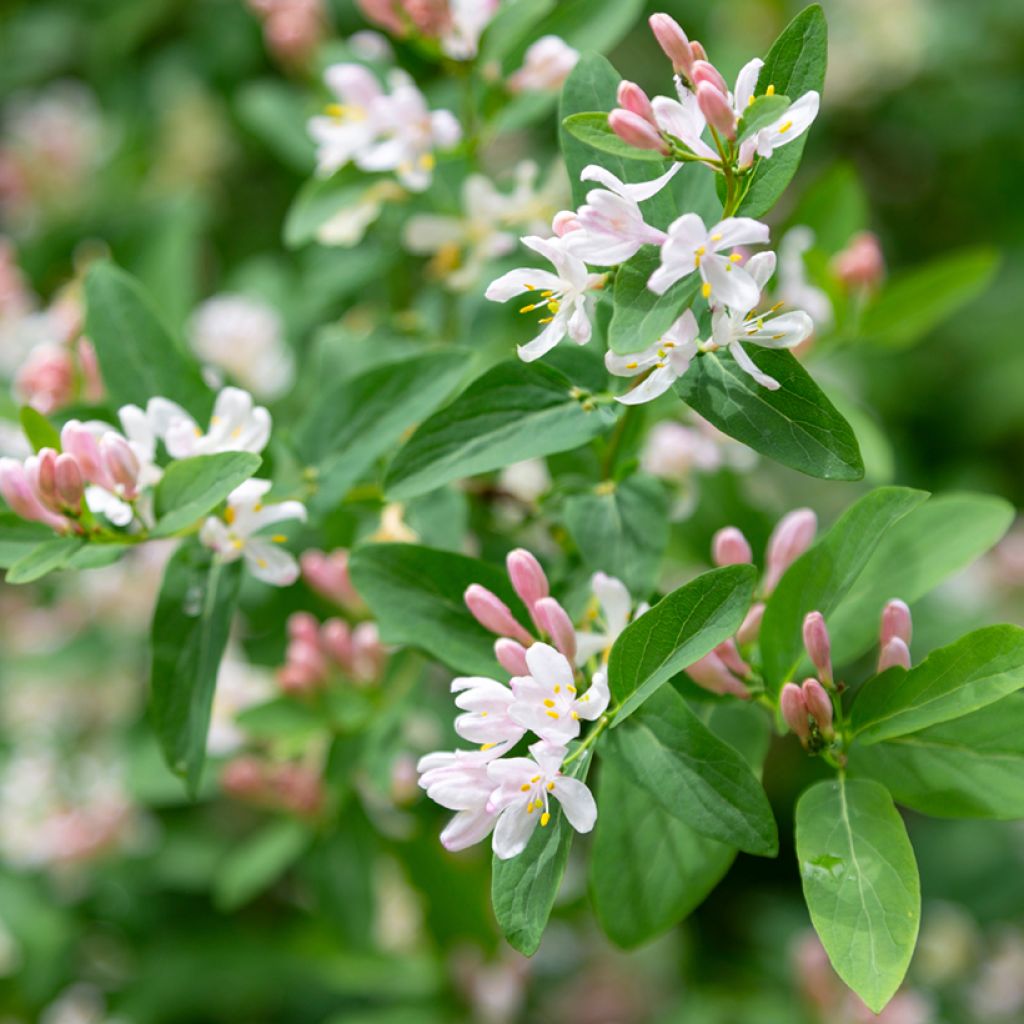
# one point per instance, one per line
(615, 442)
(602, 724)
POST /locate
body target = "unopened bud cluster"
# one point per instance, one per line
(317, 653)
(807, 709)
(288, 786)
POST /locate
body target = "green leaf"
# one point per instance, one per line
(43, 558)
(523, 888)
(138, 357)
(648, 870)
(824, 574)
(639, 316)
(692, 775)
(276, 113)
(760, 113)
(967, 768)
(513, 412)
(192, 487)
(794, 65)
(592, 86)
(355, 421)
(40, 432)
(621, 529)
(796, 425)
(937, 539)
(680, 629)
(18, 537)
(415, 594)
(592, 128)
(189, 633)
(258, 862)
(978, 669)
(916, 301)
(283, 718)
(861, 884)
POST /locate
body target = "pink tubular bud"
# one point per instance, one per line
(715, 107)
(860, 264)
(672, 39)
(698, 51)
(730, 547)
(635, 131)
(791, 537)
(705, 72)
(296, 678)
(19, 494)
(308, 657)
(79, 441)
(336, 641)
(243, 776)
(631, 97)
(528, 578)
(818, 645)
(751, 628)
(121, 462)
(298, 788)
(711, 673)
(895, 652)
(70, 485)
(896, 622)
(819, 706)
(730, 656)
(493, 614)
(303, 626)
(555, 621)
(328, 575)
(793, 706)
(565, 221)
(511, 656)
(41, 471)
(367, 653)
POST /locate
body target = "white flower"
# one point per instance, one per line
(237, 534)
(237, 425)
(546, 66)
(732, 328)
(667, 359)
(347, 226)
(563, 294)
(240, 685)
(684, 119)
(612, 227)
(547, 701)
(466, 22)
(245, 338)
(350, 126)
(526, 481)
(459, 781)
(691, 246)
(793, 286)
(616, 612)
(531, 205)
(487, 704)
(525, 786)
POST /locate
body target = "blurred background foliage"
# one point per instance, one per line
(182, 147)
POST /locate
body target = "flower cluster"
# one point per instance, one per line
(511, 795)
(316, 652)
(456, 25)
(610, 228)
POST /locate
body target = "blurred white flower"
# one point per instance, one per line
(240, 685)
(794, 288)
(546, 66)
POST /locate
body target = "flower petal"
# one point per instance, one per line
(577, 802)
(513, 831)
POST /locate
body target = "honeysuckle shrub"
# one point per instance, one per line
(486, 430)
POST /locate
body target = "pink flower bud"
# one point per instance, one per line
(635, 131)
(298, 788)
(818, 645)
(698, 51)
(715, 107)
(565, 221)
(703, 71)
(79, 441)
(19, 494)
(819, 706)
(368, 653)
(631, 97)
(791, 537)
(861, 264)
(511, 656)
(555, 621)
(794, 711)
(303, 626)
(41, 472)
(336, 641)
(751, 628)
(70, 484)
(896, 622)
(46, 380)
(92, 381)
(713, 674)
(527, 576)
(730, 656)
(295, 678)
(121, 462)
(493, 614)
(895, 652)
(730, 547)
(243, 776)
(328, 575)
(672, 39)
(308, 657)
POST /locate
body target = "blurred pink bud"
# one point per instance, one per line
(303, 626)
(41, 472)
(698, 51)
(79, 441)
(70, 484)
(555, 621)
(493, 614)
(511, 656)
(307, 657)
(527, 575)
(751, 628)
(896, 622)
(565, 221)
(672, 39)
(818, 645)
(328, 575)
(861, 264)
(19, 494)
(404, 779)
(46, 380)
(297, 678)
(792, 536)
(635, 131)
(336, 641)
(895, 652)
(385, 13)
(293, 32)
(794, 711)
(121, 462)
(298, 788)
(713, 674)
(730, 547)
(819, 706)
(715, 107)
(631, 97)
(703, 71)
(368, 654)
(243, 776)
(92, 381)
(730, 656)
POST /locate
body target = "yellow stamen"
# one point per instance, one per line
(717, 237)
(280, 538)
(487, 746)
(706, 290)
(551, 787)
(785, 128)
(544, 819)
(558, 689)
(536, 778)
(735, 257)
(552, 714)
(571, 689)
(549, 703)
(545, 319)
(427, 161)
(770, 91)
(525, 787)
(575, 716)
(229, 515)
(632, 366)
